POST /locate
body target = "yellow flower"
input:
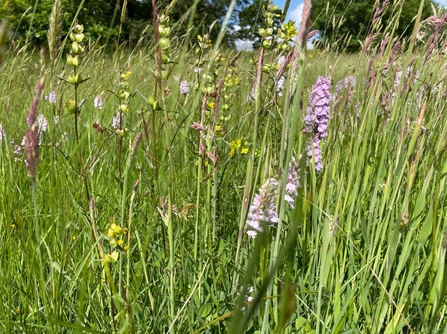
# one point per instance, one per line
(311, 56)
(210, 105)
(244, 150)
(120, 242)
(219, 130)
(111, 258)
(125, 76)
(115, 228)
(126, 247)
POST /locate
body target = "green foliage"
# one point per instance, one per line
(136, 219)
(251, 19)
(339, 20)
(101, 18)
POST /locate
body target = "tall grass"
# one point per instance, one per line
(142, 227)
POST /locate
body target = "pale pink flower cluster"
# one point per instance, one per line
(262, 212)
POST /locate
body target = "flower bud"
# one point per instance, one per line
(78, 28)
(262, 32)
(164, 30)
(121, 132)
(79, 37)
(266, 68)
(123, 84)
(73, 61)
(165, 43)
(75, 47)
(152, 103)
(165, 59)
(267, 44)
(284, 46)
(163, 18)
(75, 79)
(124, 108)
(71, 106)
(122, 95)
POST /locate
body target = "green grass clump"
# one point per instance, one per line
(151, 164)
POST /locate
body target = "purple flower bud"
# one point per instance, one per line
(31, 137)
(197, 126)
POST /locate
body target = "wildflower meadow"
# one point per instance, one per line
(182, 186)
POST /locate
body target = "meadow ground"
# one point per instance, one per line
(222, 191)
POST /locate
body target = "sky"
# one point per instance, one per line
(295, 10)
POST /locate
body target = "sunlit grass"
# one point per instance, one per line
(160, 244)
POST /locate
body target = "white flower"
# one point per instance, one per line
(52, 98)
(2, 133)
(116, 122)
(184, 87)
(97, 102)
(280, 85)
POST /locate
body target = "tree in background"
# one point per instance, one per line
(101, 18)
(251, 19)
(339, 19)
